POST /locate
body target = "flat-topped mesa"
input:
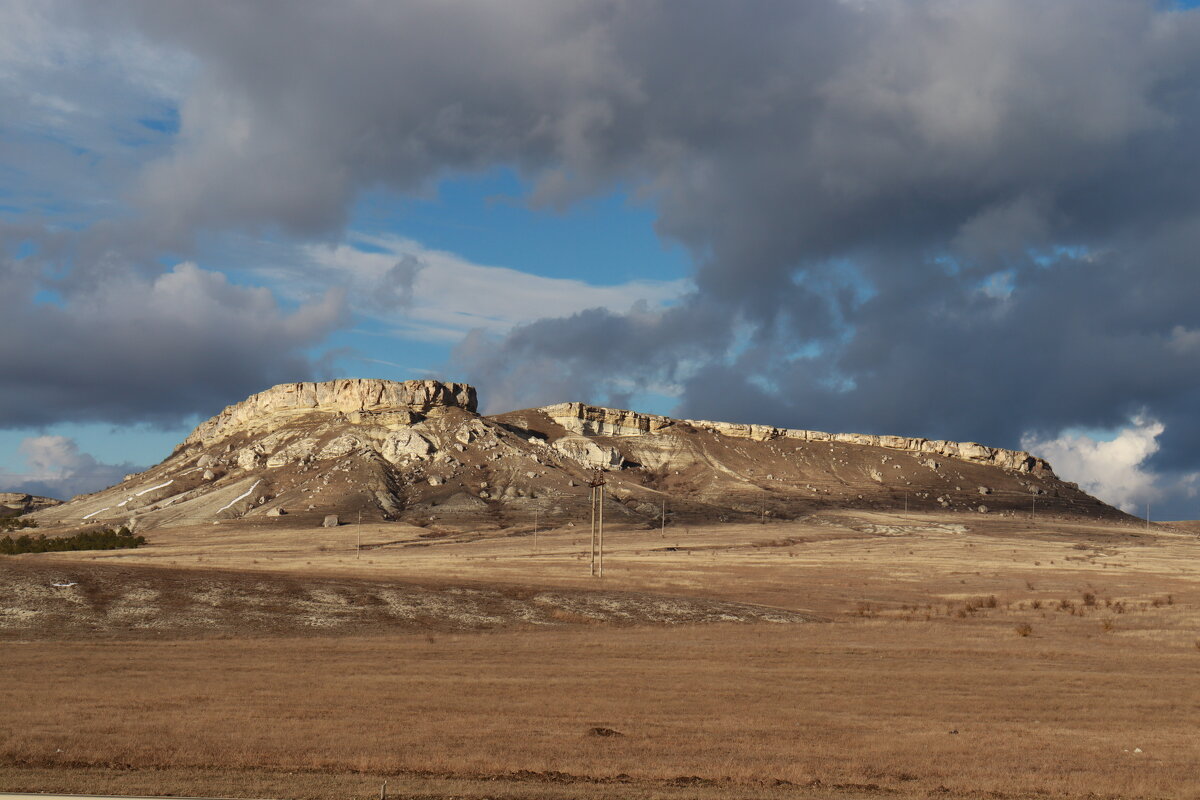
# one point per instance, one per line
(581, 418)
(358, 399)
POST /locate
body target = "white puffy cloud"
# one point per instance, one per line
(1111, 469)
(56, 467)
(437, 296)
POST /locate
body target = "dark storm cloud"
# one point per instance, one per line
(965, 219)
(132, 349)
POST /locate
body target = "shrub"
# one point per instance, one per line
(16, 523)
(1023, 629)
(100, 539)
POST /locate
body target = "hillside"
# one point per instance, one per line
(419, 452)
(16, 503)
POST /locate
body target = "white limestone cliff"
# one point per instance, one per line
(388, 404)
(585, 420)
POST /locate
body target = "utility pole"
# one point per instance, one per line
(597, 484)
(535, 529)
(663, 530)
(1147, 515)
(358, 529)
(1033, 512)
(906, 502)
(601, 530)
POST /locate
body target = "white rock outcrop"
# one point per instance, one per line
(585, 420)
(588, 453)
(405, 444)
(360, 401)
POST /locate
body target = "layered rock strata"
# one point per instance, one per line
(586, 420)
(386, 403)
(21, 503)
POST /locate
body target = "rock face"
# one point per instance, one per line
(592, 420)
(417, 451)
(12, 503)
(589, 453)
(385, 402)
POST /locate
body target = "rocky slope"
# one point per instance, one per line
(16, 503)
(418, 451)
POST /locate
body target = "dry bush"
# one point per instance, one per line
(1023, 629)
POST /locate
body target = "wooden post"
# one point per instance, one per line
(597, 484)
(593, 552)
(535, 529)
(663, 529)
(602, 530)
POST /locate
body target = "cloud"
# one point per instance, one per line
(55, 467)
(433, 295)
(136, 349)
(951, 219)
(1111, 469)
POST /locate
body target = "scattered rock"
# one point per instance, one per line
(601, 731)
(331, 521)
(405, 444)
(276, 512)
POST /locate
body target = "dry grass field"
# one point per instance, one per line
(950, 655)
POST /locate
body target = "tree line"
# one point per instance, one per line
(99, 539)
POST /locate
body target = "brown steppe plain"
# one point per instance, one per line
(947, 655)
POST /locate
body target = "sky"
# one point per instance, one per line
(975, 220)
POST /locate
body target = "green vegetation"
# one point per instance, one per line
(16, 523)
(101, 539)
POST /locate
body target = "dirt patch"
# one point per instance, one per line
(51, 601)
